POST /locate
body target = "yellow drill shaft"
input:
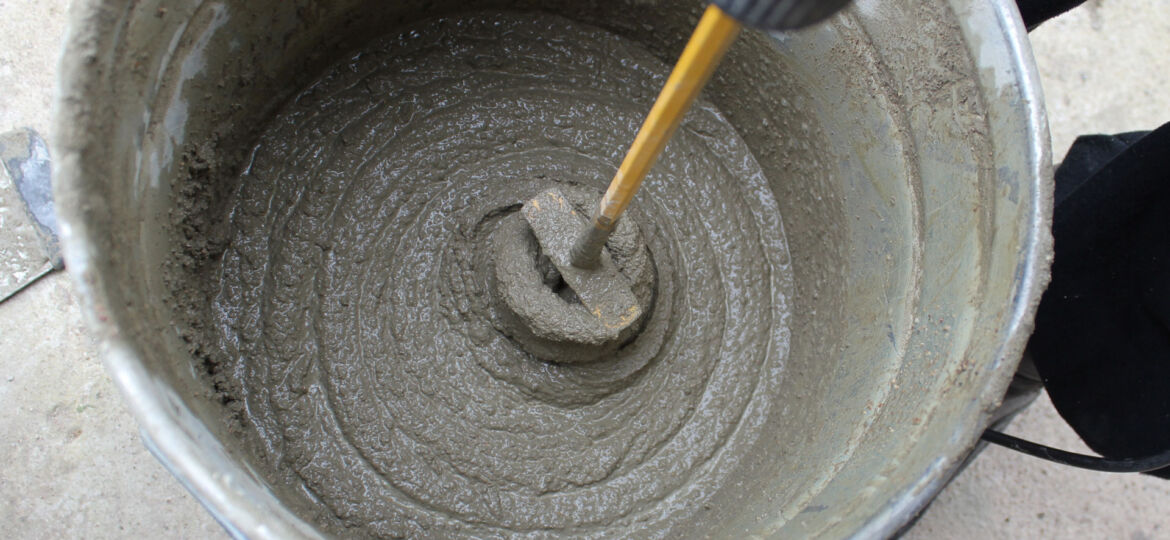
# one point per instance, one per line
(714, 34)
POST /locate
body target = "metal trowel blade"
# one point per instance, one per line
(29, 248)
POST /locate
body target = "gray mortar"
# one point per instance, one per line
(355, 305)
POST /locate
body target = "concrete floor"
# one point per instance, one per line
(74, 466)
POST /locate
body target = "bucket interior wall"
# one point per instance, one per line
(898, 140)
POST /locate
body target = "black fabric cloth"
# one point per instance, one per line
(1102, 337)
(1035, 12)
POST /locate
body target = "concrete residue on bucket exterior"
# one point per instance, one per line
(294, 282)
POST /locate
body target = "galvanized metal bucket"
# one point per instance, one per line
(919, 232)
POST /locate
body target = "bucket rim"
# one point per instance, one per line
(246, 509)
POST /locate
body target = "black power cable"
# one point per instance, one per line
(1094, 463)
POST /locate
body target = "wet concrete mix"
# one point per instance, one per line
(357, 309)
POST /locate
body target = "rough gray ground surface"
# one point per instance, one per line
(75, 468)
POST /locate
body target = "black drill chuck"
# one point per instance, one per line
(780, 14)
